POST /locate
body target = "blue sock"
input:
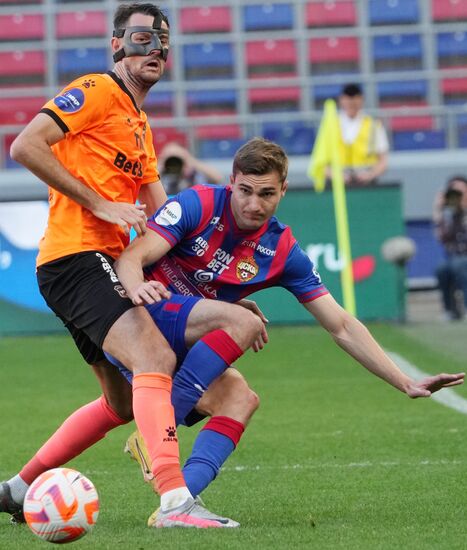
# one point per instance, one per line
(210, 451)
(201, 366)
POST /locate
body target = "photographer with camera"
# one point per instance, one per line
(450, 218)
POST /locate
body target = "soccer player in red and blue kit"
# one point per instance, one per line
(209, 244)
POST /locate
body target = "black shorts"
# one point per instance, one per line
(85, 293)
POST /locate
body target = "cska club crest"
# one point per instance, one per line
(247, 268)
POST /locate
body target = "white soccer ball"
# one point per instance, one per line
(61, 505)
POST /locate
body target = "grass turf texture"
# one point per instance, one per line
(334, 458)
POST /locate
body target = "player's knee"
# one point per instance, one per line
(156, 359)
(123, 410)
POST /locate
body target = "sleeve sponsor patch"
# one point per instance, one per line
(170, 214)
(70, 101)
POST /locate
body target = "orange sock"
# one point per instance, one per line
(154, 416)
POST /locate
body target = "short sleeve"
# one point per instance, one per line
(178, 217)
(301, 278)
(82, 104)
(381, 139)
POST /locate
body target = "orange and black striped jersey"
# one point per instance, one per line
(108, 147)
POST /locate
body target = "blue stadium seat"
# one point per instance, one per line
(397, 52)
(76, 62)
(295, 137)
(208, 60)
(398, 91)
(211, 102)
(429, 252)
(267, 16)
(216, 149)
(451, 48)
(410, 141)
(159, 103)
(321, 92)
(393, 12)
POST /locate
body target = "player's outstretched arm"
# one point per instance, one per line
(141, 252)
(354, 338)
(32, 148)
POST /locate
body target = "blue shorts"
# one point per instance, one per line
(171, 318)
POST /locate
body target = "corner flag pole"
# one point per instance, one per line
(326, 152)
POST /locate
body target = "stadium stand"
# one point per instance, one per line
(454, 91)
(334, 55)
(419, 140)
(159, 104)
(397, 52)
(81, 24)
(449, 10)
(402, 92)
(296, 138)
(77, 61)
(393, 12)
(211, 102)
(21, 27)
(164, 135)
(20, 110)
(268, 58)
(205, 19)
(220, 149)
(264, 100)
(321, 92)
(330, 14)
(22, 67)
(208, 60)
(268, 16)
(452, 49)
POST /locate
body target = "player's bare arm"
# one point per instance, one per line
(129, 267)
(153, 196)
(354, 338)
(32, 148)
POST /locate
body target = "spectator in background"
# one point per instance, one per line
(450, 218)
(364, 143)
(180, 169)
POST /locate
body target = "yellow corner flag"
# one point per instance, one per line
(326, 153)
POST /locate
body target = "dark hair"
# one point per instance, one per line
(352, 90)
(260, 156)
(455, 178)
(125, 11)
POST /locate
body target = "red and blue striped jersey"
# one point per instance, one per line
(213, 258)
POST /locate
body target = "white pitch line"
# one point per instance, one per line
(446, 396)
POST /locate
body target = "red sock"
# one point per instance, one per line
(154, 416)
(81, 430)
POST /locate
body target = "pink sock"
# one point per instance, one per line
(81, 430)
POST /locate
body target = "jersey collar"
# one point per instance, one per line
(121, 84)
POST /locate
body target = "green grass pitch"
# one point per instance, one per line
(334, 458)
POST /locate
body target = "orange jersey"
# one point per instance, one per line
(108, 147)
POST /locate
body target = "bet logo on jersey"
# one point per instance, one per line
(246, 269)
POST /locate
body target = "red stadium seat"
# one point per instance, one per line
(336, 54)
(454, 90)
(219, 131)
(274, 99)
(20, 110)
(21, 27)
(412, 122)
(449, 10)
(17, 3)
(205, 19)
(81, 24)
(22, 67)
(330, 14)
(162, 136)
(270, 58)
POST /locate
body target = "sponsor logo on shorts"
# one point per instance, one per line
(170, 214)
(70, 101)
(108, 268)
(171, 434)
(120, 290)
(246, 269)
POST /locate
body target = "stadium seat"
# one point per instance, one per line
(295, 137)
(218, 131)
(461, 124)
(267, 16)
(449, 10)
(8, 162)
(393, 12)
(424, 140)
(20, 27)
(454, 91)
(20, 110)
(217, 149)
(209, 60)
(211, 102)
(162, 136)
(263, 100)
(205, 19)
(18, 3)
(271, 58)
(402, 92)
(451, 48)
(330, 14)
(22, 68)
(411, 122)
(76, 62)
(397, 52)
(429, 251)
(334, 55)
(321, 92)
(159, 104)
(81, 24)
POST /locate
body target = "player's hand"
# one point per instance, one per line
(263, 339)
(124, 214)
(149, 292)
(431, 384)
